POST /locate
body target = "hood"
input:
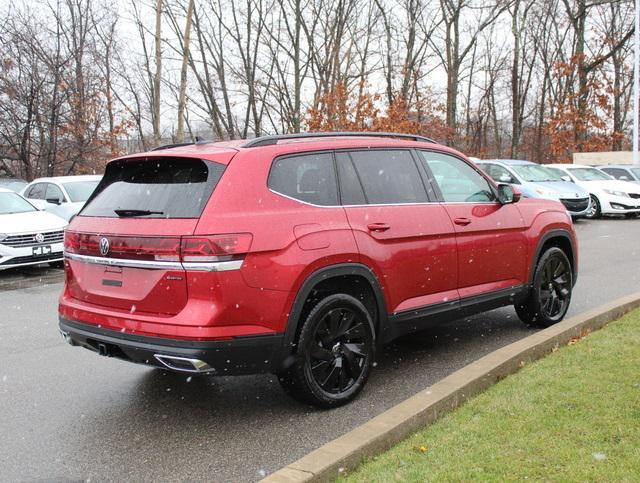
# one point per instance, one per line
(565, 189)
(30, 222)
(613, 184)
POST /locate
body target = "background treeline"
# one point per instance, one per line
(82, 81)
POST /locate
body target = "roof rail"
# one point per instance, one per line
(271, 140)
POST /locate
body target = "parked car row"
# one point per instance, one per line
(585, 191)
(33, 217)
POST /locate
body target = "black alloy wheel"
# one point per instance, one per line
(555, 287)
(335, 353)
(550, 294)
(339, 350)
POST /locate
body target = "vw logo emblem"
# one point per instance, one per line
(104, 246)
(39, 237)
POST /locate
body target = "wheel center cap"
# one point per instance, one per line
(335, 350)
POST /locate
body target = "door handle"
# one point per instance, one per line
(462, 221)
(378, 227)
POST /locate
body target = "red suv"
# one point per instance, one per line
(301, 254)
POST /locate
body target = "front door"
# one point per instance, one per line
(490, 235)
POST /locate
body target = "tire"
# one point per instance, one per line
(336, 348)
(550, 294)
(595, 211)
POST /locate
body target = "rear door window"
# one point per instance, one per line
(160, 188)
(386, 176)
(309, 177)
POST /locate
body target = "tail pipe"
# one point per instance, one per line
(183, 364)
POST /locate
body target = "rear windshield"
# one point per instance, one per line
(160, 188)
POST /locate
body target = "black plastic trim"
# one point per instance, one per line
(243, 355)
(420, 318)
(271, 140)
(557, 233)
(321, 275)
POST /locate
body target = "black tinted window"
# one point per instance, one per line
(389, 176)
(163, 188)
(310, 178)
(351, 190)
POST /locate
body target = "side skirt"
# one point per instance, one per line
(415, 320)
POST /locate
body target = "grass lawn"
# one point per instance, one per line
(572, 416)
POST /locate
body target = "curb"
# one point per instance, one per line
(395, 424)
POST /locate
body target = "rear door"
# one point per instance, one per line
(123, 249)
(490, 235)
(407, 238)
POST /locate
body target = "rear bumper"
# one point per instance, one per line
(240, 355)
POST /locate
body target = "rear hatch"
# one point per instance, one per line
(123, 249)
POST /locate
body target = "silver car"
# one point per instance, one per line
(536, 181)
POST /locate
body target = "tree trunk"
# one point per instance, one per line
(183, 74)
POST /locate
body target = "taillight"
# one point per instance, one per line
(123, 247)
(215, 248)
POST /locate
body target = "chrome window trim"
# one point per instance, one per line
(389, 204)
(157, 265)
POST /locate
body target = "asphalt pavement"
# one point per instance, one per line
(70, 415)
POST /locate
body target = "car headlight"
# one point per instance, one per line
(3, 236)
(616, 193)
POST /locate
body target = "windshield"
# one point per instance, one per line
(535, 173)
(589, 174)
(11, 203)
(13, 184)
(636, 172)
(80, 190)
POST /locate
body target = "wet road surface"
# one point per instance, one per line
(68, 414)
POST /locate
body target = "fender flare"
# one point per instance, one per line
(320, 275)
(555, 233)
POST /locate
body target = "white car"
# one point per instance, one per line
(62, 195)
(609, 196)
(28, 236)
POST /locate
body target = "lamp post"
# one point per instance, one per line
(636, 82)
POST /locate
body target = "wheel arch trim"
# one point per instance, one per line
(323, 274)
(549, 235)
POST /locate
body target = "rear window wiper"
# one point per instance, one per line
(131, 213)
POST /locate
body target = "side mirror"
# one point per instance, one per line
(508, 194)
(54, 201)
(505, 178)
(626, 178)
(567, 178)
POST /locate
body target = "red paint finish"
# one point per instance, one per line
(421, 254)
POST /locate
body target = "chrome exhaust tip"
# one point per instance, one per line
(184, 364)
(66, 337)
